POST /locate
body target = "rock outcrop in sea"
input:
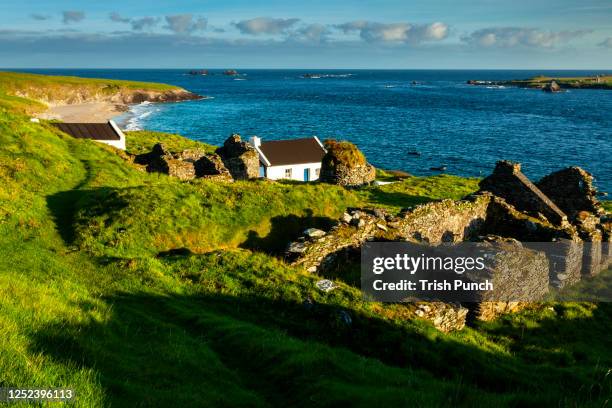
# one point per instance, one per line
(553, 86)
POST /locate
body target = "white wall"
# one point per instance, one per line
(119, 144)
(297, 171)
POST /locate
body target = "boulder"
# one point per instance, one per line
(345, 165)
(240, 158)
(552, 87)
(314, 233)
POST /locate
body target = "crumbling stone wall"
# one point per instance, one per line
(446, 317)
(572, 190)
(160, 160)
(606, 245)
(442, 221)
(509, 183)
(445, 221)
(517, 272)
(210, 166)
(185, 165)
(240, 158)
(558, 252)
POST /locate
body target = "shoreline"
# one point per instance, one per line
(89, 112)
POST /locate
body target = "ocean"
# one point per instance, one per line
(389, 114)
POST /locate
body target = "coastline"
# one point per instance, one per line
(90, 112)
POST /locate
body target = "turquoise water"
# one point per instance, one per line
(390, 113)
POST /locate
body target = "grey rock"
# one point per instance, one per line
(296, 248)
(325, 285)
(314, 233)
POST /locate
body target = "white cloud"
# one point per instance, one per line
(138, 24)
(40, 17)
(116, 17)
(143, 23)
(185, 23)
(265, 25)
(396, 32)
(315, 33)
(515, 36)
(72, 16)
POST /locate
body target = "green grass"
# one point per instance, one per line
(11, 82)
(568, 82)
(412, 191)
(607, 205)
(138, 289)
(342, 152)
(142, 141)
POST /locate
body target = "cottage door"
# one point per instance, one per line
(306, 174)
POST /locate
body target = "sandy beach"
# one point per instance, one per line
(84, 112)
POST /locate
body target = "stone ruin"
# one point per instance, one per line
(345, 165)
(185, 165)
(509, 209)
(236, 160)
(240, 158)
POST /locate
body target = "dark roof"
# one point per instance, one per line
(95, 131)
(295, 151)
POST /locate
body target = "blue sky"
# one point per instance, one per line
(535, 34)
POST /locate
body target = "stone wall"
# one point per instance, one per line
(210, 166)
(160, 160)
(444, 221)
(572, 190)
(349, 176)
(240, 158)
(509, 183)
(446, 317)
(185, 165)
(558, 252)
(517, 272)
(345, 165)
(606, 245)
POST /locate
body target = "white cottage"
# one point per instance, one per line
(296, 159)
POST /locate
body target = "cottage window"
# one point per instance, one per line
(288, 173)
(317, 172)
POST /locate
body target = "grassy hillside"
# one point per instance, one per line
(12, 82)
(29, 93)
(142, 141)
(138, 289)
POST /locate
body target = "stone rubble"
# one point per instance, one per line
(185, 165)
(509, 208)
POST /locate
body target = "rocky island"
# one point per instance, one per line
(550, 84)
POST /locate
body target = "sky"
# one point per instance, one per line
(342, 34)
